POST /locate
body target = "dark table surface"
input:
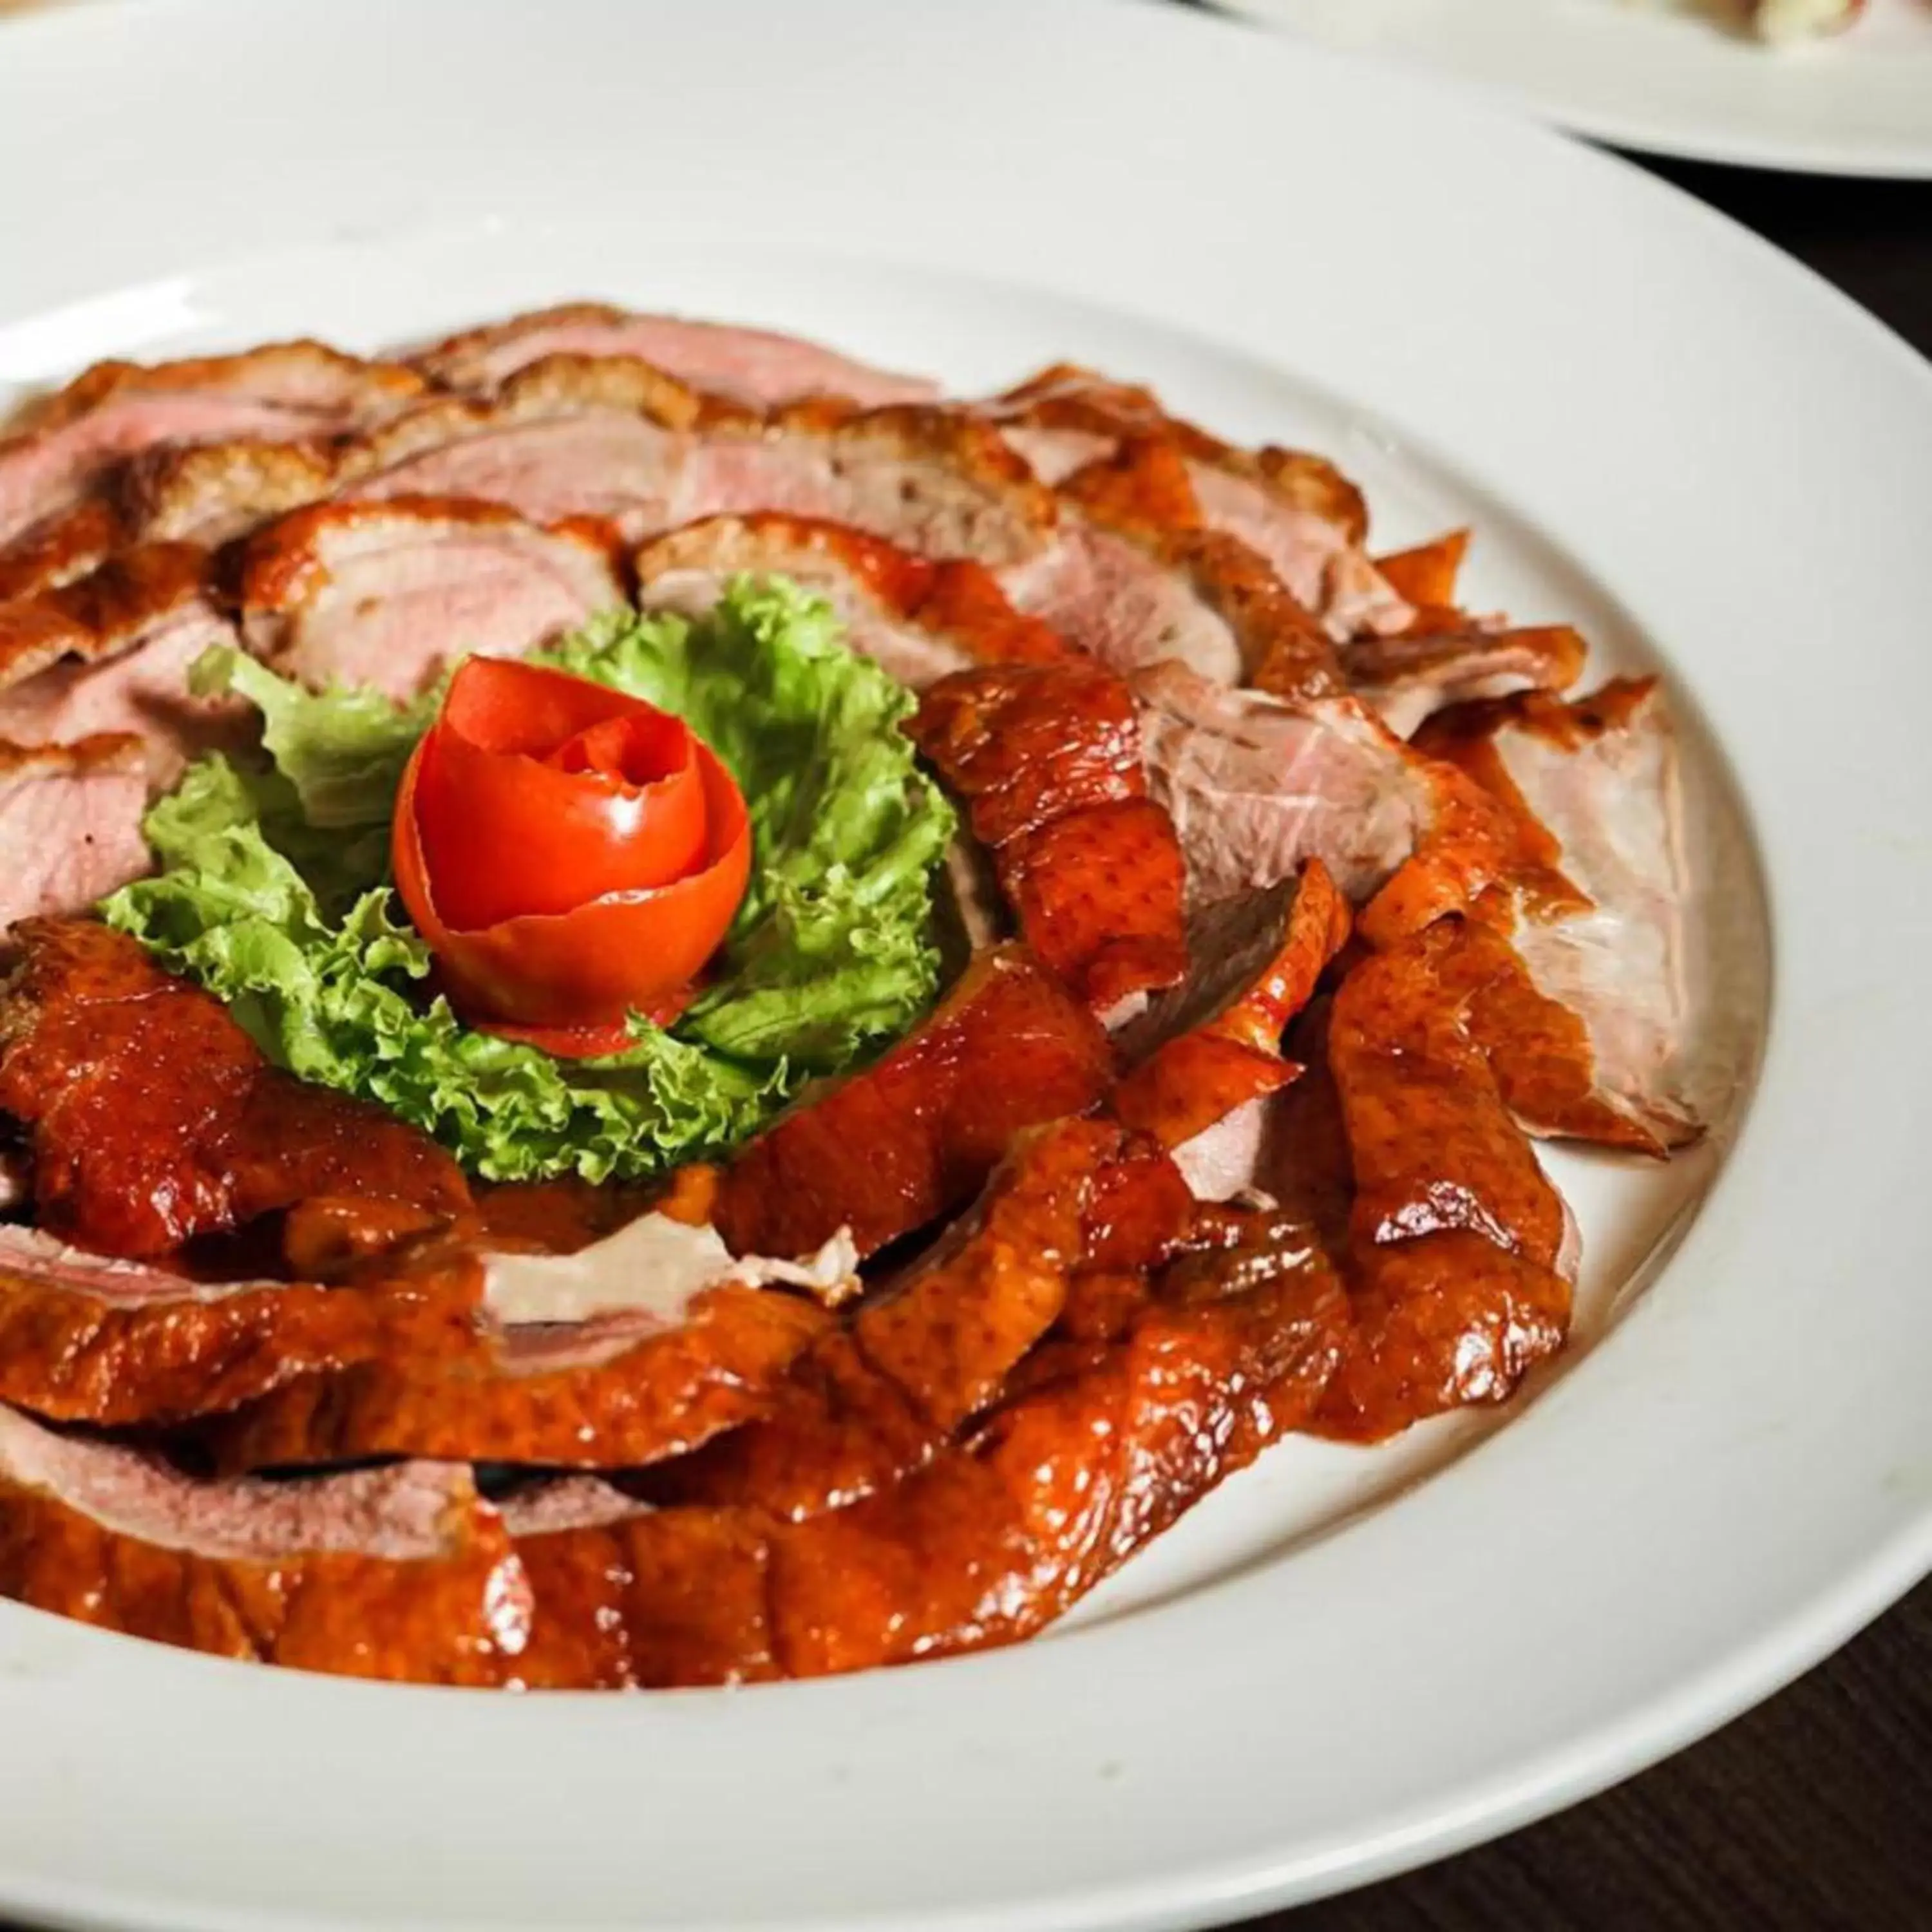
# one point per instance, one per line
(1815, 1810)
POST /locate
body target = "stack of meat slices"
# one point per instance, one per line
(1294, 899)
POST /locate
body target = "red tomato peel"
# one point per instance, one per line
(570, 854)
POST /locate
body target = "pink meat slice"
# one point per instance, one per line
(390, 594)
(1596, 909)
(756, 366)
(70, 823)
(111, 653)
(282, 392)
(1257, 785)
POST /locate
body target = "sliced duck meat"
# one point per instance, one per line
(1460, 1253)
(87, 1338)
(153, 1118)
(1409, 677)
(871, 1401)
(915, 618)
(988, 1541)
(613, 1391)
(111, 653)
(1048, 757)
(69, 824)
(932, 481)
(1079, 1210)
(1583, 1007)
(1160, 583)
(284, 392)
(212, 492)
(915, 1135)
(1293, 511)
(1256, 784)
(60, 548)
(755, 366)
(390, 595)
(400, 1573)
(1206, 1055)
(556, 443)
(645, 1344)
(328, 389)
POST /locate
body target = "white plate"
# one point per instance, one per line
(1659, 428)
(1663, 75)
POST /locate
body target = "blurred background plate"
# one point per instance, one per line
(1664, 76)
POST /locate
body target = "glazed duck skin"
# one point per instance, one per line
(83, 1339)
(1049, 758)
(894, 1146)
(153, 1118)
(991, 1540)
(398, 1574)
(868, 1402)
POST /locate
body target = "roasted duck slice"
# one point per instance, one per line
(73, 440)
(1049, 758)
(917, 619)
(1409, 677)
(1210, 1052)
(1575, 960)
(151, 1117)
(111, 652)
(756, 366)
(70, 823)
(390, 595)
(878, 1397)
(1295, 511)
(1238, 622)
(1256, 784)
(994, 1537)
(85, 1338)
(1397, 1147)
(644, 1344)
(399, 1573)
(561, 440)
(890, 1149)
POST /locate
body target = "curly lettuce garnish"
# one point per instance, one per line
(273, 893)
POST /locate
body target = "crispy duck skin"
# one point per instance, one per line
(917, 617)
(1233, 1055)
(1294, 513)
(995, 1536)
(1049, 758)
(901, 1143)
(86, 1340)
(399, 1573)
(606, 1395)
(1143, 493)
(153, 1118)
(1397, 1147)
(876, 1398)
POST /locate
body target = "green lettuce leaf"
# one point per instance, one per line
(272, 893)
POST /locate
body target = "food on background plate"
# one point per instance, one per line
(677, 1011)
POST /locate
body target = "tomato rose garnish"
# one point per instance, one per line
(570, 854)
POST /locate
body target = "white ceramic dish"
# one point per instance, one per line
(1659, 428)
(1662, 75)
